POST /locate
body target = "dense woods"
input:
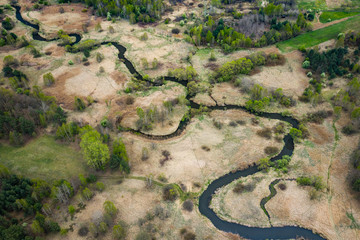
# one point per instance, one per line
(212, 32)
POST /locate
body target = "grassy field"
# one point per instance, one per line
(43, 158)
(314, 38)
(332, 16)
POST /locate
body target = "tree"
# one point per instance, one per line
(155, 63)
(144, 154)
(301, 22)
(100, 186)
(79, 104)
(95, 152)
(110, 208)
(48, 79)
(71, 210)
(265, 164)
(87, 193)
(36, 227)
(118, 232)
(111, 29)
(98, 27)
(296, 134)
(8, 24)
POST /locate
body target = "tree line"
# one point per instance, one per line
(145, 11)
(217, 33)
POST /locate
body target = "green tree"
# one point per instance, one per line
(71, 210)
(118, 232)
(48, 79)
(110, 208)
(265, 164)
(95, 152)
(100, 186)
(296, 134)
(37, 228)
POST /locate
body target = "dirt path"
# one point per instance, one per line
(320, 25)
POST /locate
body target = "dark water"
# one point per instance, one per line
(256, 233)
(35, 33)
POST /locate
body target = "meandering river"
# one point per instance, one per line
(256, 233)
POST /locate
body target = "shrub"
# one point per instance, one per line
(169, 193)
(175, 31)
(315, 181)
(83, 231)
(162, 178)
(99, 57)
(100, 186)
(217, 124)
(282, 186)
(143, 236)
(232, 124)
(144, 154)
(188, 205)
(349, 130)
(271, 150)
(129, 100)
(189, 236)
(10, 61)
(71, 210)
(79, 104)
(239, 187)
(306, 64)
(356, 185)
(144, 37)
(118, 232)
(265, 133)
(8, 24)
(212, 57)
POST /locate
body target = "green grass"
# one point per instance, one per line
(332, 16)
(43, 158)
(316, 37)
(312, 4)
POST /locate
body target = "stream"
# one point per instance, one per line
(255, 233)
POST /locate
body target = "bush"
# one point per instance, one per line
(99, 57)
(143, 236)
(175, 31)
(188, 205)
(118, 232)
(282, 186)
(100, 186)
(217, 124)
(306, 64)
(189, 236)
(349, 130)
(144, 154)
(239, 187)
(271, 150)
(8, 24)
(83, 231)
(315, 181)
(265, 133)
(79, 104)
(144, 37)
(169, 193)
(356, 185)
